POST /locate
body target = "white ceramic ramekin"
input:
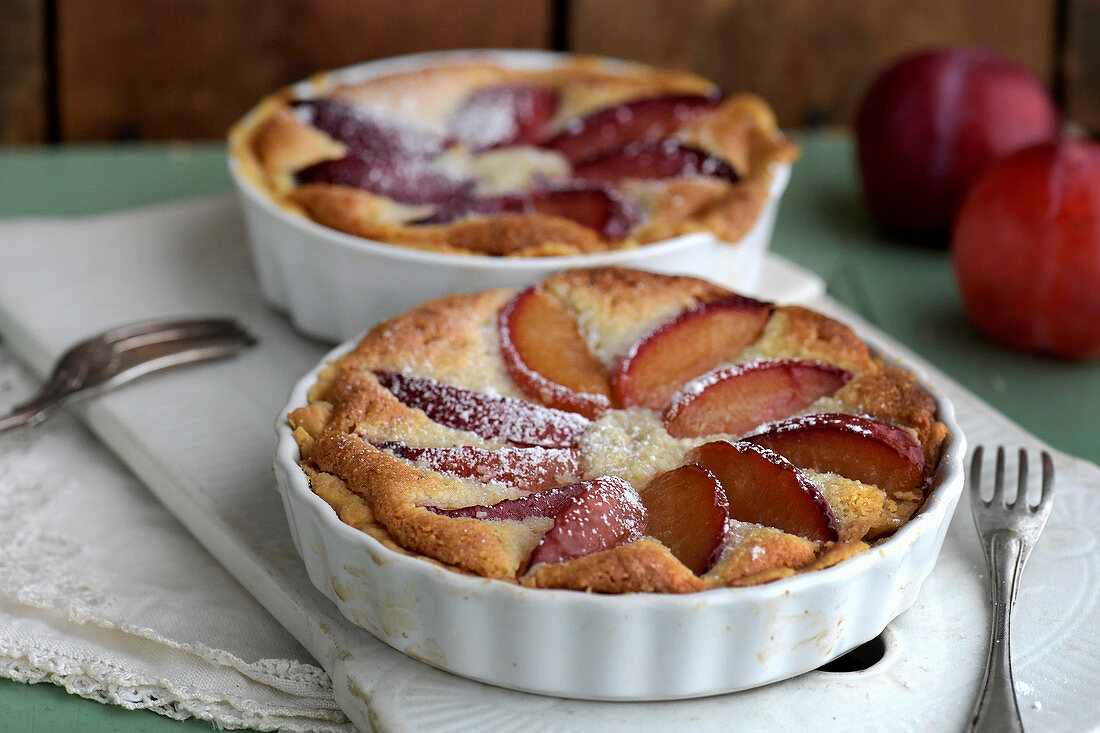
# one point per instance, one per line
(600, 647)
(331, 283)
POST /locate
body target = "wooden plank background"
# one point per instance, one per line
(189, 68)
(24, 106)
(77, 70)
(1081, 62)
(811, 60)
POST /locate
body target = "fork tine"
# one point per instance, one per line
(180, 330)
(998, 497)
(168, 329)
(147, 356)
(976, 473)
(1021, 483)
(1048, 479)
(141, 328)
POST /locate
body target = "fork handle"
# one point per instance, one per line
(28, 414)
(996, 709)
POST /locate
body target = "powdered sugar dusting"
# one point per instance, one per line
(632, 444)
(369, 131)
(519, 422)
(850, 423)
(387, 156)
(607, 513)
(482, 124)
(504, 115)
(528, 469)
(406, 180)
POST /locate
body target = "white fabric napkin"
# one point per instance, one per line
(103, 592)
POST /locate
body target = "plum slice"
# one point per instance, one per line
(529, 468)
(548, 503)
(547, 357)
(652, 161)
(385, 157)
(641, 120)
(693, 342)
(764, 488)
(368, 135)
(737, 398)
(687, 510)
(852, 446)
(406, 180)
(596, 207)
(505, 114)
(493, 417)
(606, 513)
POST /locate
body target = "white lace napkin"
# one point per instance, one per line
(103, 592)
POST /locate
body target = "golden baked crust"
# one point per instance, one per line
(644, 566)
(272, 144)
(352, 419)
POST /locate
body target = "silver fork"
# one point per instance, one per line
(118, 356)
(1008, 532)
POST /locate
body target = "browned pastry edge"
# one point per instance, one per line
(271, 143)
(644, 566)
(739, 565)
(370, 488)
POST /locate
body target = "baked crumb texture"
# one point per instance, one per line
(275, 143)
(351, 417)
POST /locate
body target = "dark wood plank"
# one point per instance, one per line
(156, 69)
(811, 60)
(23, 65)
(1082, 64)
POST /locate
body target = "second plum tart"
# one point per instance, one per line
(577, 156)
(618, 431)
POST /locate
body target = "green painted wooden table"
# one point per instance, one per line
(906, 290)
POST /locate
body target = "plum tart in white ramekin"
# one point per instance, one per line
(647, 439)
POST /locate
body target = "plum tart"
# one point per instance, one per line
(612, 430)
(477, 158)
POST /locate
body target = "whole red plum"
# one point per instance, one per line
(933, 122)
(1026, 250)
